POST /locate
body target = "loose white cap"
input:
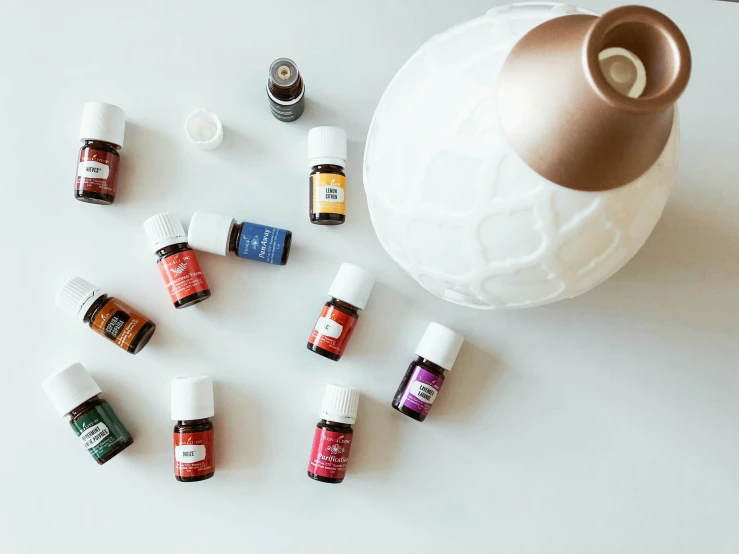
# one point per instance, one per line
(327, 145)
(352, 285)
(76, 296)
(192, 398)
(440, 345)
(104, 122)
(210, 232)
(340, 404)
(164, 230)
(70, 387)
(204, 129)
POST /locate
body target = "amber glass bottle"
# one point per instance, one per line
(106, 315)
(285, 90)
(102, 131)
(177, 262)
(327, 182)
(75, 394)
(332, 440)
(349, 293)
(192, 408)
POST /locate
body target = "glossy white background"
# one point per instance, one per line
(605, 424)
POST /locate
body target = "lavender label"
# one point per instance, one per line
(263, 244)
(421, 391)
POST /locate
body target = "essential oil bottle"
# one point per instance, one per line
(219, 234)
(349, 293)
(327, 185)
(103, 126)
(192, 408)
(332, 440)
(75, 394)
(285, 90)
(106, 315)
(177, 262)
(422, 381)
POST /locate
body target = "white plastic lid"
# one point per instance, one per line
(164, 230)
(104, 122)
(70, 387)
(210, 232)
(327, 145)
(192, 398)
(76, 296)
(204, 129)
(440, 345)
(340, 404)
(352, 285)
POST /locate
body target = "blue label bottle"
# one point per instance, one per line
(220, 235)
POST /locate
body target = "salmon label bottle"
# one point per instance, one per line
(193, 454)
(182, 274)
(333, 330)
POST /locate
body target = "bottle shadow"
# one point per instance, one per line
(377, 438)
(467, 385)
(239, 428)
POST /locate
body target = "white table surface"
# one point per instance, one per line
(605, 424)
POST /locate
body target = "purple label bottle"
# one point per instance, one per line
(422, 382)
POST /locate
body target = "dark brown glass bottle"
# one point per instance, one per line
(167, 253)
(316, 216)
(322, 428)
(90, 188)
(101, 132)
(106, 315)
(177, 262)
(428, 366)
(346, 316)
(285, 90)
(201, 428)
(99, 410)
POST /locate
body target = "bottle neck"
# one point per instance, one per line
(101, 145)
(328, 165)
(189, 422)
(431, 366)
(171, 249)
(85, 407)
(95, 307)
(235, 237)
(343, 307)
(335, 426)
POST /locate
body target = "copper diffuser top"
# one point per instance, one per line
(588, 102)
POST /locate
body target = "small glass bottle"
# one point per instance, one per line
(219, 234)
(192, 408)
(106, 315)
(422, 381)
(102, 130)
(285, 90)
(327, 185)
(349, 293)
(332, 440)
(75, 394)
(177, 262)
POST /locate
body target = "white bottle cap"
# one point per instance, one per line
(104, 122)
(204, 129)
(440, 345)
(164, 230)
(340, 404)
(76, 296)
(327, 145)
(352, 285)
(192, 398)
(70, 387)
(210, 232)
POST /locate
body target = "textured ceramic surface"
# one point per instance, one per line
(458, 210)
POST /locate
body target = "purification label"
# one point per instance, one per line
(330, 453)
